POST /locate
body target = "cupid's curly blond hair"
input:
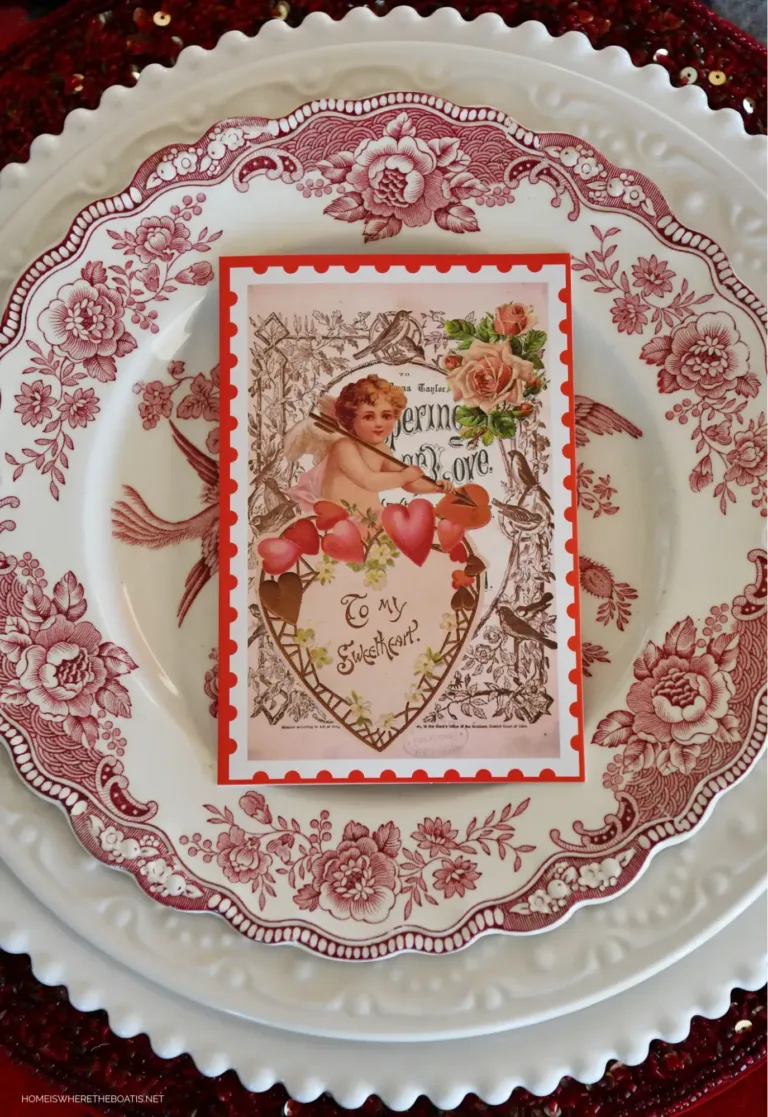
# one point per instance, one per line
(367, 391)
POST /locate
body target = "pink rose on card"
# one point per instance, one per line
(490, 374)
(512, 319)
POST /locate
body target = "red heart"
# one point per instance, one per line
(411, 527)
(459, 553)
(304, 534)
(449, 534)
(343, 542)
(329, 514)
(459, 578)
(278, 555)
(468, 506)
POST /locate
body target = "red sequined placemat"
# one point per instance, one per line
(66, 61)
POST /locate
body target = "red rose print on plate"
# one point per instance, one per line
(702, 353)
(401, 179)
(747, 459)
(54, 664)
(160, 238)
(359, 879)
(368, 872)
(34, 403)
(241, 858)
(84, 328)
(86, 323)
(679, 708)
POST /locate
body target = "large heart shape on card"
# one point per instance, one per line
(375, 642)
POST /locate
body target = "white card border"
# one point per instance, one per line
(568, 765)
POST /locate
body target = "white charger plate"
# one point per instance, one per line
(532, 40)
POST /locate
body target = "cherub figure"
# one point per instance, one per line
(354, 467)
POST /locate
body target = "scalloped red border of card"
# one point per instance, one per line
(228, 549)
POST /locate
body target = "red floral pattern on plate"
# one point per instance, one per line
(61, 682)
(401, 179)
(679, 705)
(364, 875)
(702, 353)
(597, 580)
(53, 660)
(85, 333)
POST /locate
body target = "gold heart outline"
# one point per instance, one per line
(302, 667)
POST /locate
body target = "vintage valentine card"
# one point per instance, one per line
(398, 520)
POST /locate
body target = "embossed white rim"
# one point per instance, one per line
(722, 130)
(490, 1066)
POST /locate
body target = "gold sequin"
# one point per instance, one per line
(689, 75)
(717, 77)
(161, 19)
(743, 1026)
(77, 87)
(281, 10)
(748, 104)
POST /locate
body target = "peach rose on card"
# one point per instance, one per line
(490, 374)
(512, 319)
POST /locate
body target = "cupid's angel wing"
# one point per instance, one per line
(595, 418)
(326, 405)
(307, 437)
